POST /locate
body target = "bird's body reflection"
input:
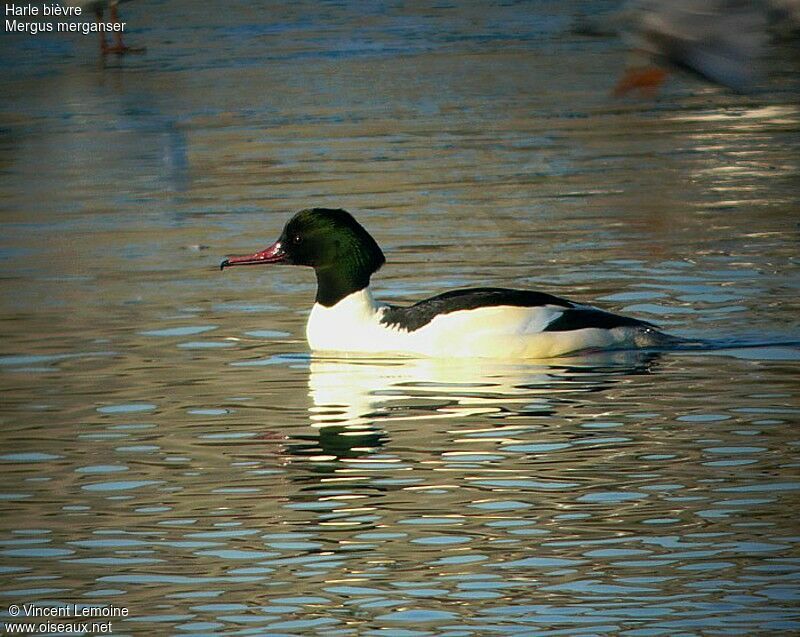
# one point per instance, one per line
(361, 404)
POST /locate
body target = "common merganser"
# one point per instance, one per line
(476, 322)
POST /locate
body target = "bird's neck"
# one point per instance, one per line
(334, 283)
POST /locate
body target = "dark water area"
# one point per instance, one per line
(169, 445)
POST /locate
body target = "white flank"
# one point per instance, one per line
(353, 325)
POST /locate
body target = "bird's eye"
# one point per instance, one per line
(297, 239)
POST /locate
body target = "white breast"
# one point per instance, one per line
(352, 325)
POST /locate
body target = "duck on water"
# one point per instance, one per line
(471, 322)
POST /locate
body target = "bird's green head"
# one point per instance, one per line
(343, 254)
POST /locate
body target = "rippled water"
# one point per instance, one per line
(168, 444)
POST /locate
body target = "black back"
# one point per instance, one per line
(573, 317)
(579, 318)
(415, 316)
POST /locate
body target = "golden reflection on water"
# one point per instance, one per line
(353, 392)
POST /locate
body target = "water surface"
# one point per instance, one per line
(169, 445)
